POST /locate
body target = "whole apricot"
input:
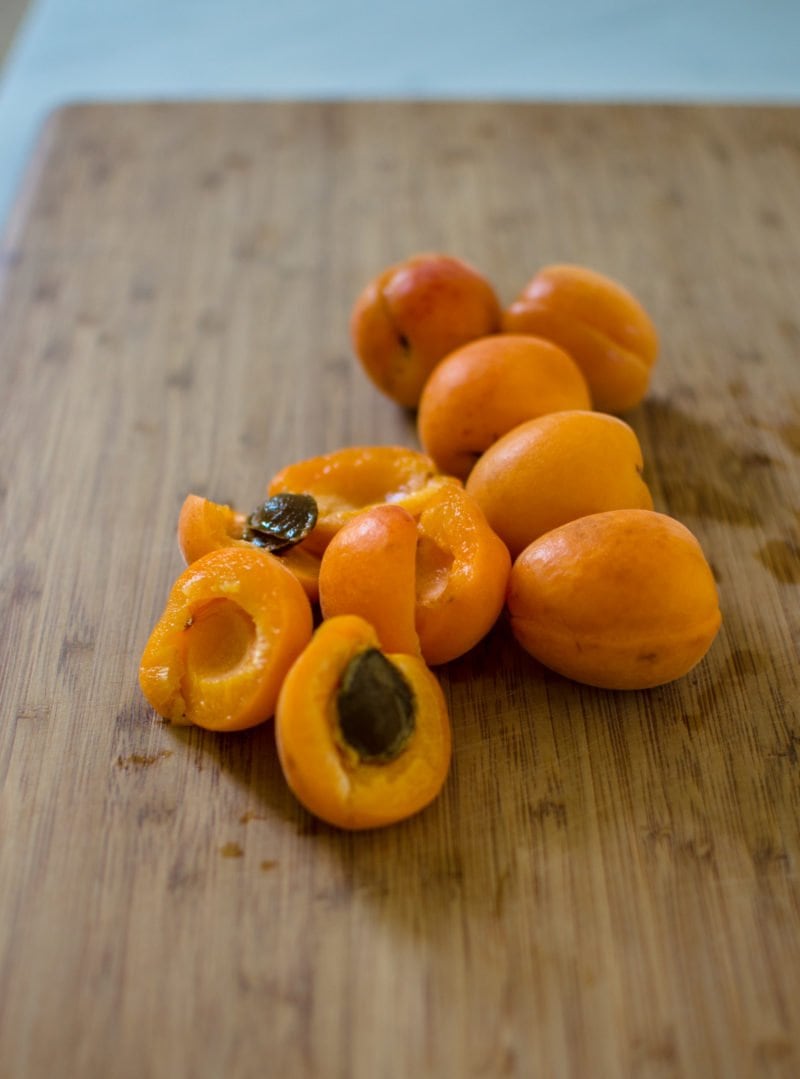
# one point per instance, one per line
(599, 322)
(557, 467)
(483, 389)
(621, 600)
(412, 314)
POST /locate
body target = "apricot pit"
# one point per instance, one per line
(375, 707)
(363, 736)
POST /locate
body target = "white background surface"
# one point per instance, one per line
(684, 50)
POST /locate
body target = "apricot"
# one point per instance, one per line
(412, 314)
(483, 389)
(234, 622)
(204, 526)
(621, 600)
(554, 468)
(599, 322)
(348, 480)
(369, 569)
(363, 737)
(432, 583)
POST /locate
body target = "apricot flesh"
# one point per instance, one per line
(412, 314)
(348, 480)
(234, 622)
(623, 599)
(430, 583)
(326, 772)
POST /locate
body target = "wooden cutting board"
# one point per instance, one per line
(608, 885)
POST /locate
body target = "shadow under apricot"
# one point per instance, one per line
(696, 471)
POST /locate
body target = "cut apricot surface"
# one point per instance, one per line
(205, 526)
(363, 736)
(599, 322)
(432, 582)
(347, 481)
(462, 574)
(622, 600)
(234, 622)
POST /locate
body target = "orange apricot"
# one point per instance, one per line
(483, 389)
(622, 600)
(599, 322)
(348, 480)
(412, 314)
(363, 737)
(234, 622)
(462, 575)
(369, 569)
(432, 583)
(205, 526)
(554, 468)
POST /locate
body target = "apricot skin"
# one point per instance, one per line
(412, 314)
(369, 569)
(555, 468)
(599, 322)
(620, 600)
(432, 583)
(483, 389)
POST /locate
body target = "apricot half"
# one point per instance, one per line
(621, 600)
(483, 389)
(234, 622)
(432, 583)
(363, 736)
(348, 480)
(554, 468)
(412, 314)
(205, 526)
(599, 322)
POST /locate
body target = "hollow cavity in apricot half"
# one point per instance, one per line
(348, 480)
(234, 622)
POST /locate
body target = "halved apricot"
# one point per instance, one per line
(234, 622)
(363, 736)
(369, 569)
(205, 526)
(347, 481)
(432, 581)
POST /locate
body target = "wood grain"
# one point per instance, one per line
(609, 884)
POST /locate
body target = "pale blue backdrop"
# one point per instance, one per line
(708, 50)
